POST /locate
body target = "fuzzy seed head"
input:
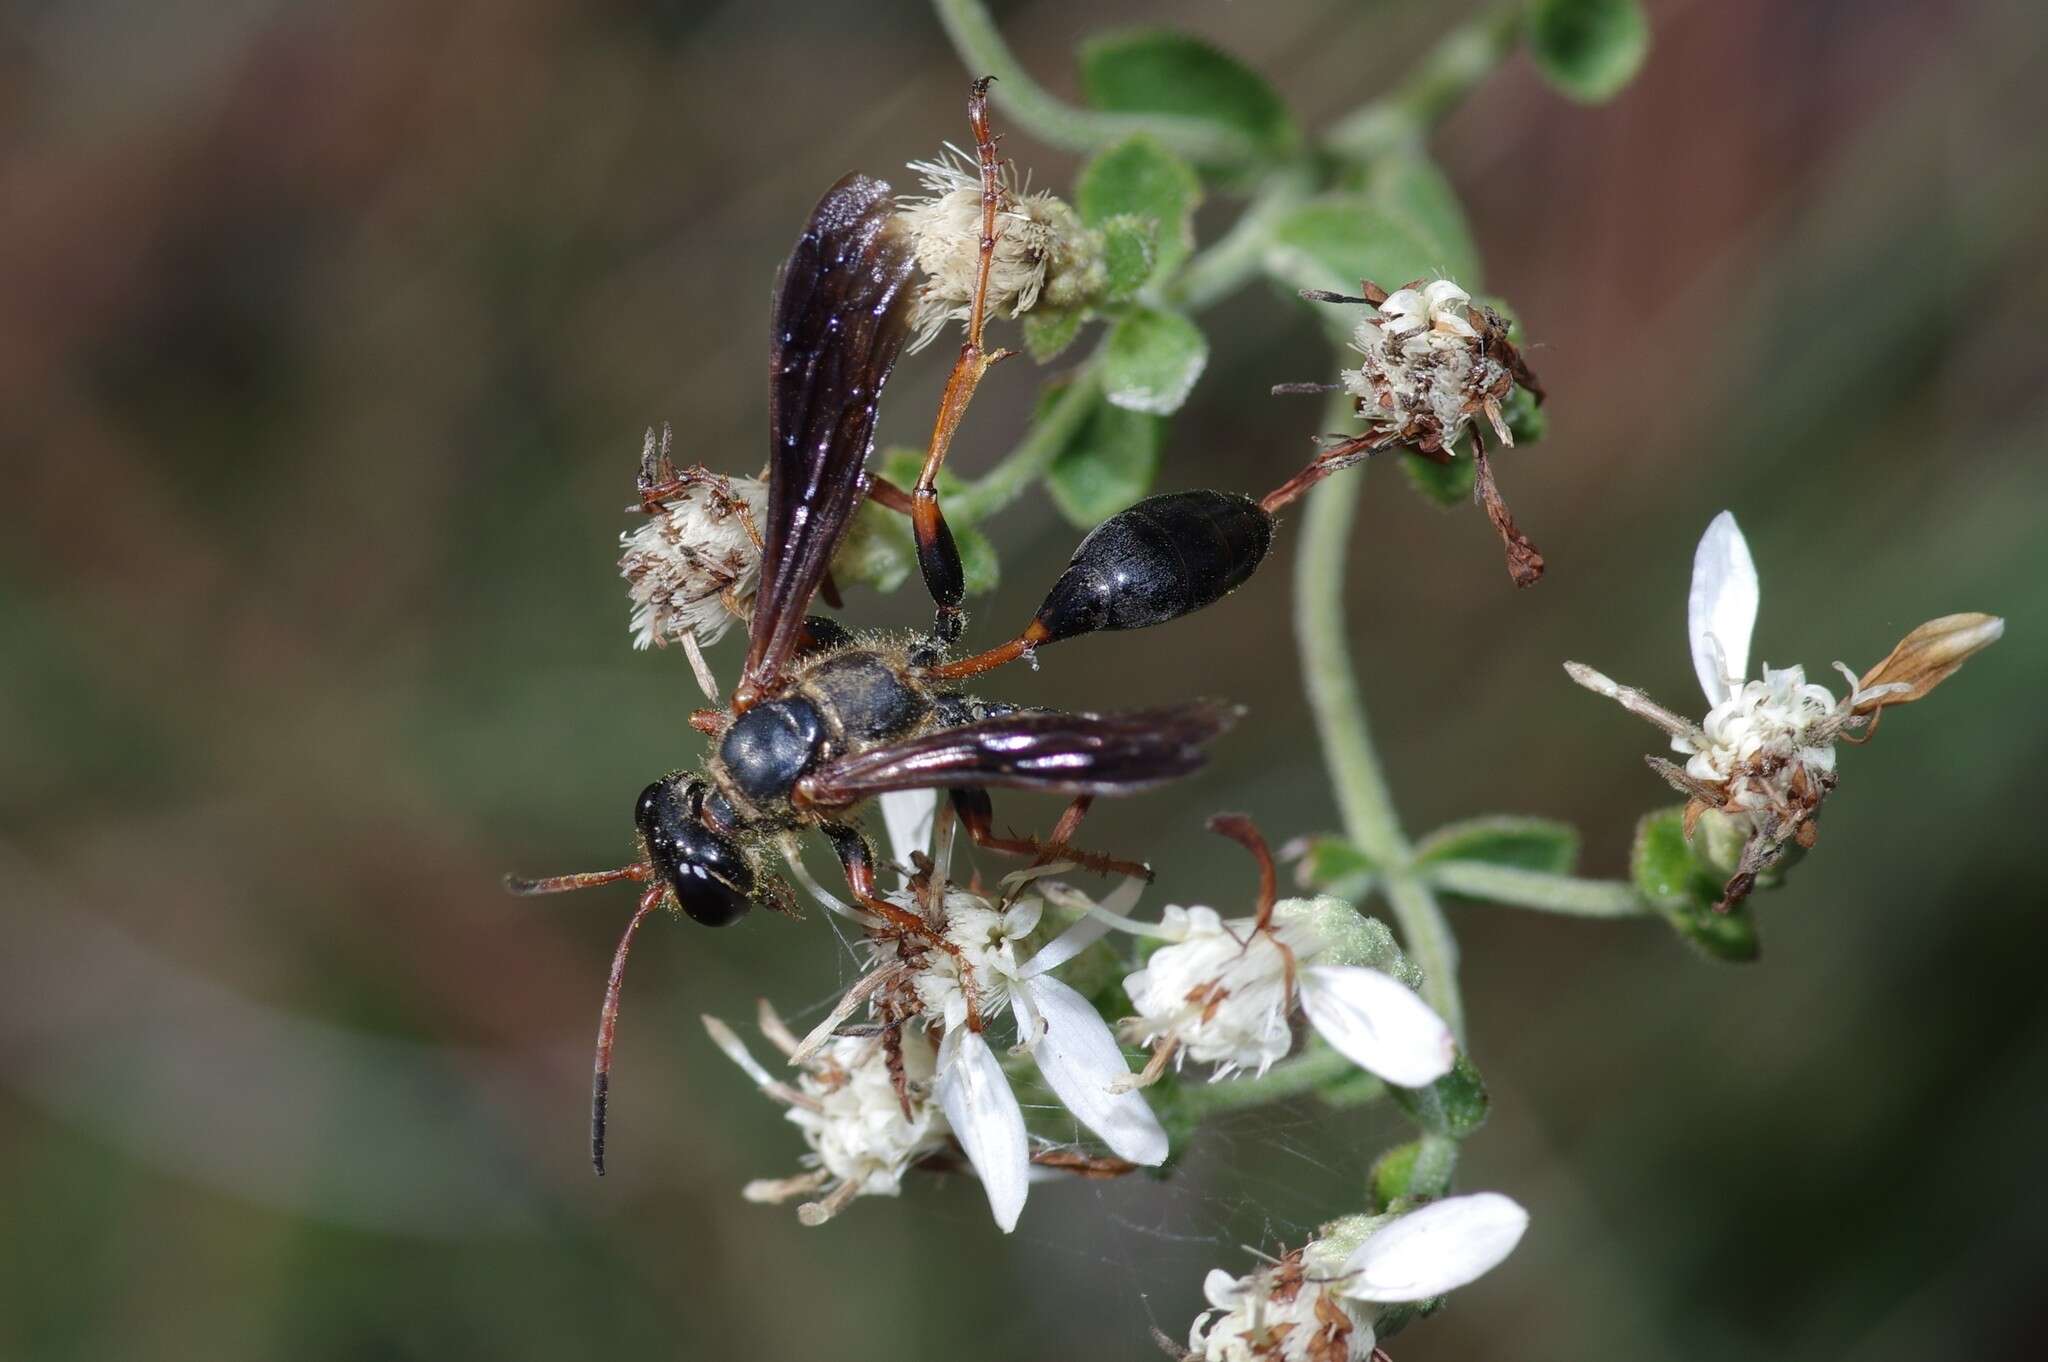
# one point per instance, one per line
(1430, 361)
(1043, 253)
(692, 568)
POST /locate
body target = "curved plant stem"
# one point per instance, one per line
(1449, 73)
(1058, 123)
(1363, 799)
(1564, 894)
(1222, 268)
(1026, 464)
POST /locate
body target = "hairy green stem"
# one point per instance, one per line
(1564, 894)
(1221, 269)
(1364, 802)
(1054, 121)
(1022, 466)
(1449, 73)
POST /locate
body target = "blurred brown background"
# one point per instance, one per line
(327, 334)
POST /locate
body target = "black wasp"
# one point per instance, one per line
(821, 722)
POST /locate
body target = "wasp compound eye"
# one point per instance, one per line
(708, 874)
(1166, 556)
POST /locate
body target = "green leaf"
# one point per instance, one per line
(877, 550)
(979, 570)
(1442, 484)
(1336, 241)
(1048, 331)
(1683, 888)
(1414, 193)
(1455, 1105)
(1333, 865)
(1110, 464)
(1151, 360)
(1155, 70)
(1588, 49)
(1524, 843)
(1138, 178)
(1128, 256)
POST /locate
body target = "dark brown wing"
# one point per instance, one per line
(1057, 753)
(841, 310)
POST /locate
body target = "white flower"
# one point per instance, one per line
(1429, 361)
(1224, 993)
(1320, 1303)
(1042, 249)
(1764, 756)
(692, 568)
(865, 1124)
(961, 989)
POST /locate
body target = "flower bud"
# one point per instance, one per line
(1926, 657)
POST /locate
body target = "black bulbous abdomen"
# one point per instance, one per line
(1165, 557)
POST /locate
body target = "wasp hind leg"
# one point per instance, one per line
(977, 815)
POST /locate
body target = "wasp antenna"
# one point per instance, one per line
(586, 879)
(608, 1025)
(1298, 389)
(1240, 829)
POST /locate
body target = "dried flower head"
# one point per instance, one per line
(1043, 252)
(1764, 756)
(864, 1105)
(1429, 361)
(1322, 1302)
(693, 566)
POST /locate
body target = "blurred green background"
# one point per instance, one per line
(327, 335)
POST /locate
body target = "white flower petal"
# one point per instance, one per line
(1721, 608)
(986, 1120)
(1221, 1289)
(1436, 1249)
(736, 1051)
(1079, 1057)
(1378, 1023)
(909, 814)
(1065, 946)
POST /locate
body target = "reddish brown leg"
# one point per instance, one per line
(1240, 829)
(938, 557)
(608, 1025)
(1034, 634)
(1332, 460)
(1525, 564)
(977, 815)
(857, 860)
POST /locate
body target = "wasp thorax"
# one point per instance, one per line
(1429, 361)
(769, 746)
